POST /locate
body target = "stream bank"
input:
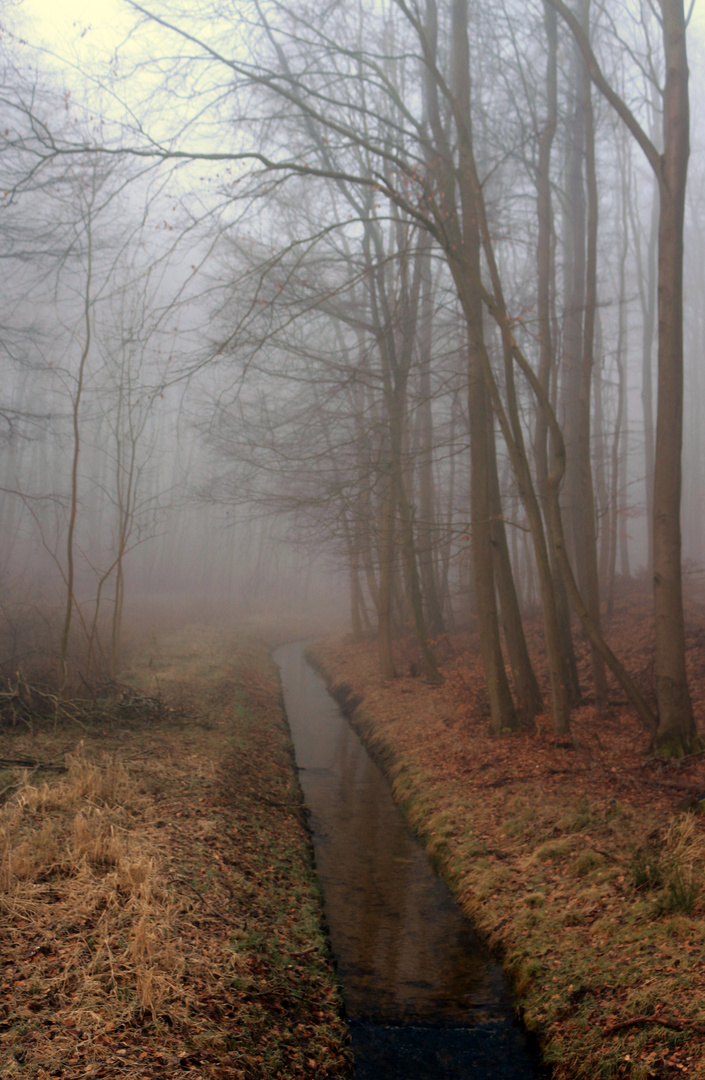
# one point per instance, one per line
(591, 893)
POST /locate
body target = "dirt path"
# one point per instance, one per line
(160, 914)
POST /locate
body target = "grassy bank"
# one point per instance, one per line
(159, 909)
(578, 864)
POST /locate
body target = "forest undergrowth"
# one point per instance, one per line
(159, 909)
(582, 864)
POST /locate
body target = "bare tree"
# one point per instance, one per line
(677, 733)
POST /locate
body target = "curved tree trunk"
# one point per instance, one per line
(502, 712)
(463, 246)
(526, 687)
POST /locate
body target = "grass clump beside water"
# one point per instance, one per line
(160, 909)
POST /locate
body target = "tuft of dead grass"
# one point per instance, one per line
(158, 900)
(69, 859)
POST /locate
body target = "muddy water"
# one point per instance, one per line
(422, 996)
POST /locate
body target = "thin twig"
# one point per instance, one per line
(31, 763)
(637, 1021)
(177, 879)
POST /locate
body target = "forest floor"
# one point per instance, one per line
(160, 915)
(583, 865)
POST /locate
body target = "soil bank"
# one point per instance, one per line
(582, 866)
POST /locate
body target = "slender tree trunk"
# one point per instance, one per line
(647, 286)
(503, 713)
(592, 580)
(116, 631)
(386, 569)
(647, 291)
(426, 526)
(624, 483)
(677, 733)
(526, 687)
(359, 540)
(370, 578)
(601, 462)
(547, 367)
(618, 469)
(356, 600)
(73, 509)
(573, 314)
(447, 544)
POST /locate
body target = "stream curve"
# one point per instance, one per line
(423, 998)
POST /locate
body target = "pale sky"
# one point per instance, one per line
(61, 22)
(84, 33)
(104, 21)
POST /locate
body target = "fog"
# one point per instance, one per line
(353, 314)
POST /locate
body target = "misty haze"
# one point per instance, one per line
(353, 368)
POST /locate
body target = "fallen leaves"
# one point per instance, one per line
(541, 839)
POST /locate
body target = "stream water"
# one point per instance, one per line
(423, 998)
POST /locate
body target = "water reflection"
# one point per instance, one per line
(405, 953)
(402, 944)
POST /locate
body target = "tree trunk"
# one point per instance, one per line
(356, 600)
(647, 292)
(547, 367)
(503, 712)
(617, 520)
(677, 733)
(526, 687)
(430, 667)
(592, 580)
(601, 461)
(69, 577)
(573, 313)
(463, 248)
(426, 525)
(384, 591)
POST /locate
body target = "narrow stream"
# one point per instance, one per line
(423, 998)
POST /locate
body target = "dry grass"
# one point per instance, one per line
(155, 914)
(95, 889)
